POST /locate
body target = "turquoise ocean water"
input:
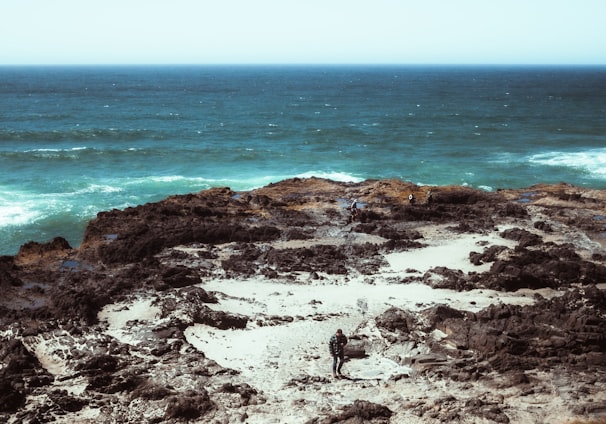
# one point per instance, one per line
(78, 140)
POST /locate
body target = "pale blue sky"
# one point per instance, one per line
(302, 31)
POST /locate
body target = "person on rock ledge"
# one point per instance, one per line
(353, 210)
(336, 345)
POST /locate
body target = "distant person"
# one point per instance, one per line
(353, 210)
(336, 345)
(429, 197)
(411, 199)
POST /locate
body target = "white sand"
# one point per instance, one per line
(270, 356)
(447, 251)
(125, 319)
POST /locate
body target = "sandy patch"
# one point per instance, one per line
(125, 319)
(450, 252)
(272, 355)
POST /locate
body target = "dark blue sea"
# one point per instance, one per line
(78, 140)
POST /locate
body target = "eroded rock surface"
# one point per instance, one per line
(103, 333)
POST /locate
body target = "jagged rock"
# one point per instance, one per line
(11, 398)
(441, 313)
(19, 372)
(32, 251)
(66, 402)
(103, 363)
(8, 269)
(555, 266)
(190, 405)
(490, 254)
(523, 237)
(222, 320)
(360, 411)
(151, 391)
(445, 278)
(246, 392)
(180, 277)
(396, 320)
(568, 330)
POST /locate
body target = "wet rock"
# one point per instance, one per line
(440, 313)
(245, 262)
(514, 210)
(451, 409)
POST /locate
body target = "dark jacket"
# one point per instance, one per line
(336, 344)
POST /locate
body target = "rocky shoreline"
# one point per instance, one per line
(475, 307)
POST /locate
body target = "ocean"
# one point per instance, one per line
(78, 140)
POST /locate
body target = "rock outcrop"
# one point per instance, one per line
(62, 361)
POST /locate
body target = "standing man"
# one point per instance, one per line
(336, 345)
(353, 210)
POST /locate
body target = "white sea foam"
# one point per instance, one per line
(13, 214)
(52, 150)
(170, 178)
(335, 176)
(21, 208)
(161, 180)
(17, 209)
(246, 182)
(99, 188)
(592, 161)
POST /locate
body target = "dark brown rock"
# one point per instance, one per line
(189, 405)
(8, 271)
(222, 320)
(20, 372)
(361, 411)
(567, 330)
(396, 320)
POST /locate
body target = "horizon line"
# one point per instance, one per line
(299, 64)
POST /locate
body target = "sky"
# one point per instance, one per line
(302, 32)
